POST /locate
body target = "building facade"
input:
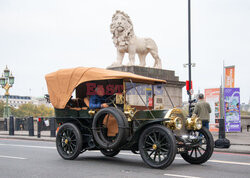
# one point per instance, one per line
(16, 100)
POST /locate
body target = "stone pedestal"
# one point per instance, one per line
(174, 86)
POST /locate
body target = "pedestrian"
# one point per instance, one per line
(202, 109)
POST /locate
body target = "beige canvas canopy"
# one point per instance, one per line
(62, 83)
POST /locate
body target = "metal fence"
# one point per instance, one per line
(29, 125)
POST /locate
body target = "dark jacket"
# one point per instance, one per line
(96, 101)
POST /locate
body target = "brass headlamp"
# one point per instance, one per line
(193, 123)
(175, 122)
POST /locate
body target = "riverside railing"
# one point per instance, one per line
(30, 126)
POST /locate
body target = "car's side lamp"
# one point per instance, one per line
(119, 98)
(91, 112)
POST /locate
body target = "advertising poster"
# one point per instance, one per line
(232, 109)
(212, 96)
(229, 77)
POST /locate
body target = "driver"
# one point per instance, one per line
(98, 101)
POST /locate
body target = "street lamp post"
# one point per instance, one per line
(6, 81)
(189, 60)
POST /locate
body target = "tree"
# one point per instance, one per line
(26, 110)
(44, 111)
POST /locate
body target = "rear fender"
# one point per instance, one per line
(81, 123)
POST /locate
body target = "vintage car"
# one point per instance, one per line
(130, 122)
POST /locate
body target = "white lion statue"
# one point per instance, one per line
(126, 42)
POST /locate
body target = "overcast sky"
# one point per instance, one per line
(41, 36)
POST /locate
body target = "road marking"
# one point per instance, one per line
(234, 154)
(229, 162)
(29, 146)
(11, 157)
(176, 175)
(213, 161)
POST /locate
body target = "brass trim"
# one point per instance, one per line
(154, 146)
(124, 95)
(174, 116)
(119, 98)
(91, 112)
(193, 122)
(129, 112)
(66, 141)
(173, 122)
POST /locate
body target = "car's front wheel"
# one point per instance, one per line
(157, 146)
(69, 141)
(202, 148)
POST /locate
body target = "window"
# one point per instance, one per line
(145, 95)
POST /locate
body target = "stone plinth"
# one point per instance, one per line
(174, 86)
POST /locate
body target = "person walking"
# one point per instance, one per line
(202, 109)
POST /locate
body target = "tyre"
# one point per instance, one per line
(69, 141)
(203, 147)
(110, 152)
(100, 130)
(157, 146)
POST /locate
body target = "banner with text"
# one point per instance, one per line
(232, 109)
(229, 77)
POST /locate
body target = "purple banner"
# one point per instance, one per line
(232, 109)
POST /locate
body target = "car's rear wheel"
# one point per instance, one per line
(109, 152)
(157, 146)
(69, 141)
(203, 147)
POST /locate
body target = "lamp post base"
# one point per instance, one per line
(222, 143)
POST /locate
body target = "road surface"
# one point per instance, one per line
(23, 158)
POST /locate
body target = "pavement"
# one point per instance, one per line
(23, 135)
(240, 142)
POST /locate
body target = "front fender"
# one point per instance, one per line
(145, 125)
